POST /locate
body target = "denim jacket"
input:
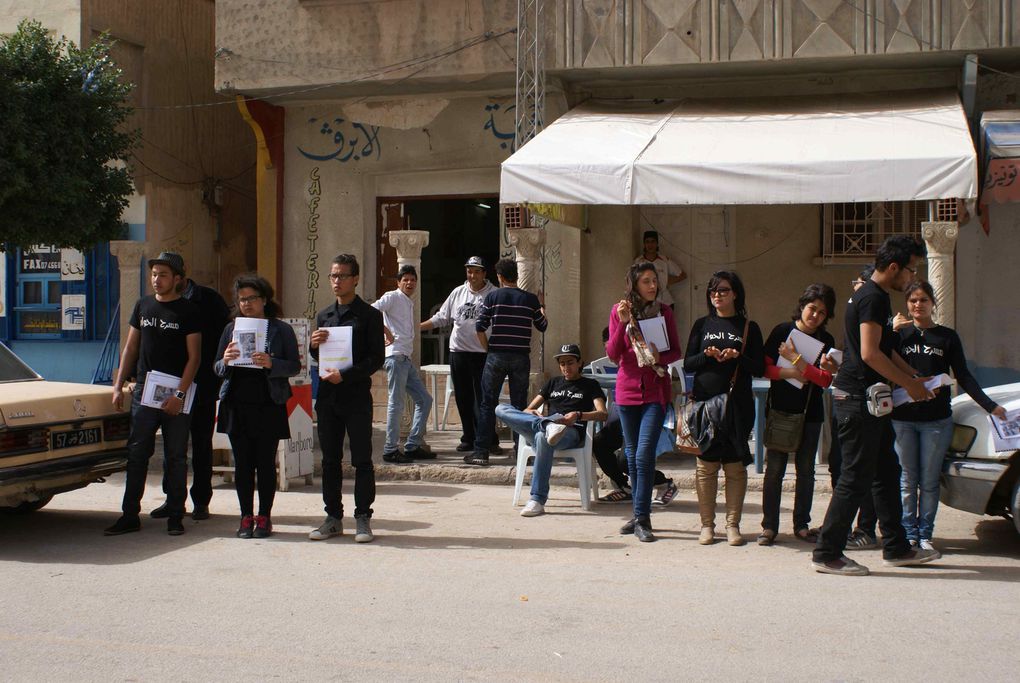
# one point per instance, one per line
(283, 350)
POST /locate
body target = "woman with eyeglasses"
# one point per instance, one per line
(643, 386)
(924, 430)
(253, 402)
(815, 308)
(719, 354)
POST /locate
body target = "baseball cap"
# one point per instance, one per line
(569, 350)
(169, 258)
(475, 262)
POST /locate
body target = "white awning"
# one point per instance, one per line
(803, 150)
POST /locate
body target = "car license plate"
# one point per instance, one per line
(76, 437)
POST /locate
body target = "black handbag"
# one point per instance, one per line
(784, 431)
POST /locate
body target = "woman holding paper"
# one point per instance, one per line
(643, 386)
(796, 352)
(724, 352)
(924, 430)
(253, 397)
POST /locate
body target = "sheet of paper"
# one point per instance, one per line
(335, 353)
(160, 386)
(250, 335)
(900, 396)
(807, 346)
(654, 332)
(836, 355)
(1006, 433)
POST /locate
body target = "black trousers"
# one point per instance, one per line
(869, 464)
(351, 418)
(867, 519)
(604, 447)
(466, 374)
(254, 457)
(203, 421)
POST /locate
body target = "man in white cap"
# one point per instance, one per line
(573, 400)
(467, 355)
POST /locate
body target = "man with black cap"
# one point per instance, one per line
(669, 273)
(467, 355)
(164, 336)
(213, 314)
(573, 400)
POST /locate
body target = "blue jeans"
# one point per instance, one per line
(401, 376)
(500, 365)
(142, 442)
(641, 428)
(921, 447)
(533, 432)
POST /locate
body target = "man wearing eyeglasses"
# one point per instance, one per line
(344, 402)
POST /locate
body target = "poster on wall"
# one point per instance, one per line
(72, 312)
(40, 259)
(301, 328)
(72, 264)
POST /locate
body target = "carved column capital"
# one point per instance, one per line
(128, 252)
(528, 242)
(409, 243)
(940, 236)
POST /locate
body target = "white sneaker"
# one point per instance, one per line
(533, 509)
(329, 528)
(554, 432)
(925, 544)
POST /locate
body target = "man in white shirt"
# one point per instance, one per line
(668, 272)
(467, 355)
(397, 308)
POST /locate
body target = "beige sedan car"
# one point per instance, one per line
(54, 436)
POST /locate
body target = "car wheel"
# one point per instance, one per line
(27, 506)
(1014, 505)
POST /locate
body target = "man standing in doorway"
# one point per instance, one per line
(163, 336)
(510, 312)
(344, 402)
(668, 272)
(870, 465)
(402, 375)
(213, 314)
(467, 353)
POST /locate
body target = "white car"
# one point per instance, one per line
(976, 478)
(54, 436)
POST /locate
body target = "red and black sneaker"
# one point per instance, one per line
(263, 527)
(247, 527)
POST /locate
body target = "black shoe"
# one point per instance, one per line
(643, 530)
(247, 528)
(396, 457)
(628, 528)
(200, 512)
(125, 525)
(480, 458)
(422, 452)
(495, 449)
(174, 526)
(160, 513)
(465, 446)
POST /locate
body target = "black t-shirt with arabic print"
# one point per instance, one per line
(164, 327)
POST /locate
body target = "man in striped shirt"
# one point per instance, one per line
(511, 312)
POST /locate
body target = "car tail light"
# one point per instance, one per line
(28, 440)
(116, 428)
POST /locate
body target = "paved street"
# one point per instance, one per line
(457, 586)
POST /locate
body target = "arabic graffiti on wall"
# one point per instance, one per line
(349, 141)
(72, 264)
(311, 266)
(500, 122)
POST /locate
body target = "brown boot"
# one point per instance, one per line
(708, 489)
(736, 488)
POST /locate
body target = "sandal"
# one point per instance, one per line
(616, 496)
(767, 537)
(807, 535)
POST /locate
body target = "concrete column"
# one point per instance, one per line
(409, 244)
(940, 238)
(528, 243)
(129, 263)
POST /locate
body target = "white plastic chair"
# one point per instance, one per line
(600, 365)
(676, 369)
(587, 482)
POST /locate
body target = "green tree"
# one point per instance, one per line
(62, 140)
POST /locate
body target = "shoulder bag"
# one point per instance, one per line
(784, 431)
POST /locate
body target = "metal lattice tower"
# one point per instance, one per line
(530, 87)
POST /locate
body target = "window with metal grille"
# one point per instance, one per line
(855, 230)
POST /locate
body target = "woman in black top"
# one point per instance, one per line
(715, 350)
(253, 402)
(814, 309)
(924, 430)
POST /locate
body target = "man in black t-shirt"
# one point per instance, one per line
(573, 400)
(869, 457)
(164, 336)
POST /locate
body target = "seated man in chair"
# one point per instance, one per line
(572, 401)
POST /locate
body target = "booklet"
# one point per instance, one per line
(654, 332)
(807, 346)
(250, 335)
(335, 353)
(160, 386)
(1006, 433)
(900, 396)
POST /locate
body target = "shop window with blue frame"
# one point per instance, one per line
(62, 294)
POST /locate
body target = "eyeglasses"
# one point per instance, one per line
(249, 299)
(856, 283)
(720, 291)
(912, 271)
(335, 277)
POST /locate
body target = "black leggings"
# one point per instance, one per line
(254, 454)
(604, 446)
